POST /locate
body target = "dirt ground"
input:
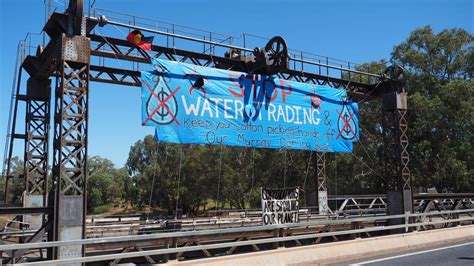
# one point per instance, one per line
(3, 220)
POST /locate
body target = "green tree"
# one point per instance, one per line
(106, 183)
(16, 182)
(441, 98)
(360, 172)
(155, 168)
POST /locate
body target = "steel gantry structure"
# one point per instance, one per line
(64, 66)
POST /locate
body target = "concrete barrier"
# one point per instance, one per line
(344, 250)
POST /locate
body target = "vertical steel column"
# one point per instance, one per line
(322, 184)
(70, 142)
(11, 139)
(396, 172)
(36, 148)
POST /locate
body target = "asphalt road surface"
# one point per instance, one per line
(455, 254)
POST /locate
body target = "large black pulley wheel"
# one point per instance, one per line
(277, 54)
(76, 10)
(396, 74)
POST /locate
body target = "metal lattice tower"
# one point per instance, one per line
(70, 141)
(396, 172)
(322, 182)
(36, 137)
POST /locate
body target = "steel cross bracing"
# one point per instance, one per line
(397, 154)
(70, 142)
(322, 182)
(357, 83)
(37, 135)
(321, 170)
(114, 48)
(396, 171)
(404, 155)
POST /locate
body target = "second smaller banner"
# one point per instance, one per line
(280, 205)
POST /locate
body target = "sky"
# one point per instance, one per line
(357, 31)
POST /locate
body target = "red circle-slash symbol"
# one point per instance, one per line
(162, 103)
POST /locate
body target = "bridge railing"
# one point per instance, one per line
(342, 206)
(416, 221)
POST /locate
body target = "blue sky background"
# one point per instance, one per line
(358, 31)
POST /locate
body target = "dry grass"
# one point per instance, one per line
(4, 220)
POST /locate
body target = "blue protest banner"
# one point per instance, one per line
(194, 104)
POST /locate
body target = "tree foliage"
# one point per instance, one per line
(223, 174)
(16, 182)
(106, 183)
(441, 98)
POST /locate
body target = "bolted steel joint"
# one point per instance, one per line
(102, 21)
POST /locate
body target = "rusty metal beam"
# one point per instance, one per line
(322, 183)
(119, 49)
(36, 136)
(396, 171)
(70, 143)
(25, 210)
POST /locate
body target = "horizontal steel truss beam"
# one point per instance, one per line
(212, 44)
(25, 210)
(33, 65)
(42, 66)
(114, 76)
(418, 196)
(108, 47)
(356, 80)
(443, 196)
(423, 202)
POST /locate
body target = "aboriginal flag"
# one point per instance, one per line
(137, 38)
